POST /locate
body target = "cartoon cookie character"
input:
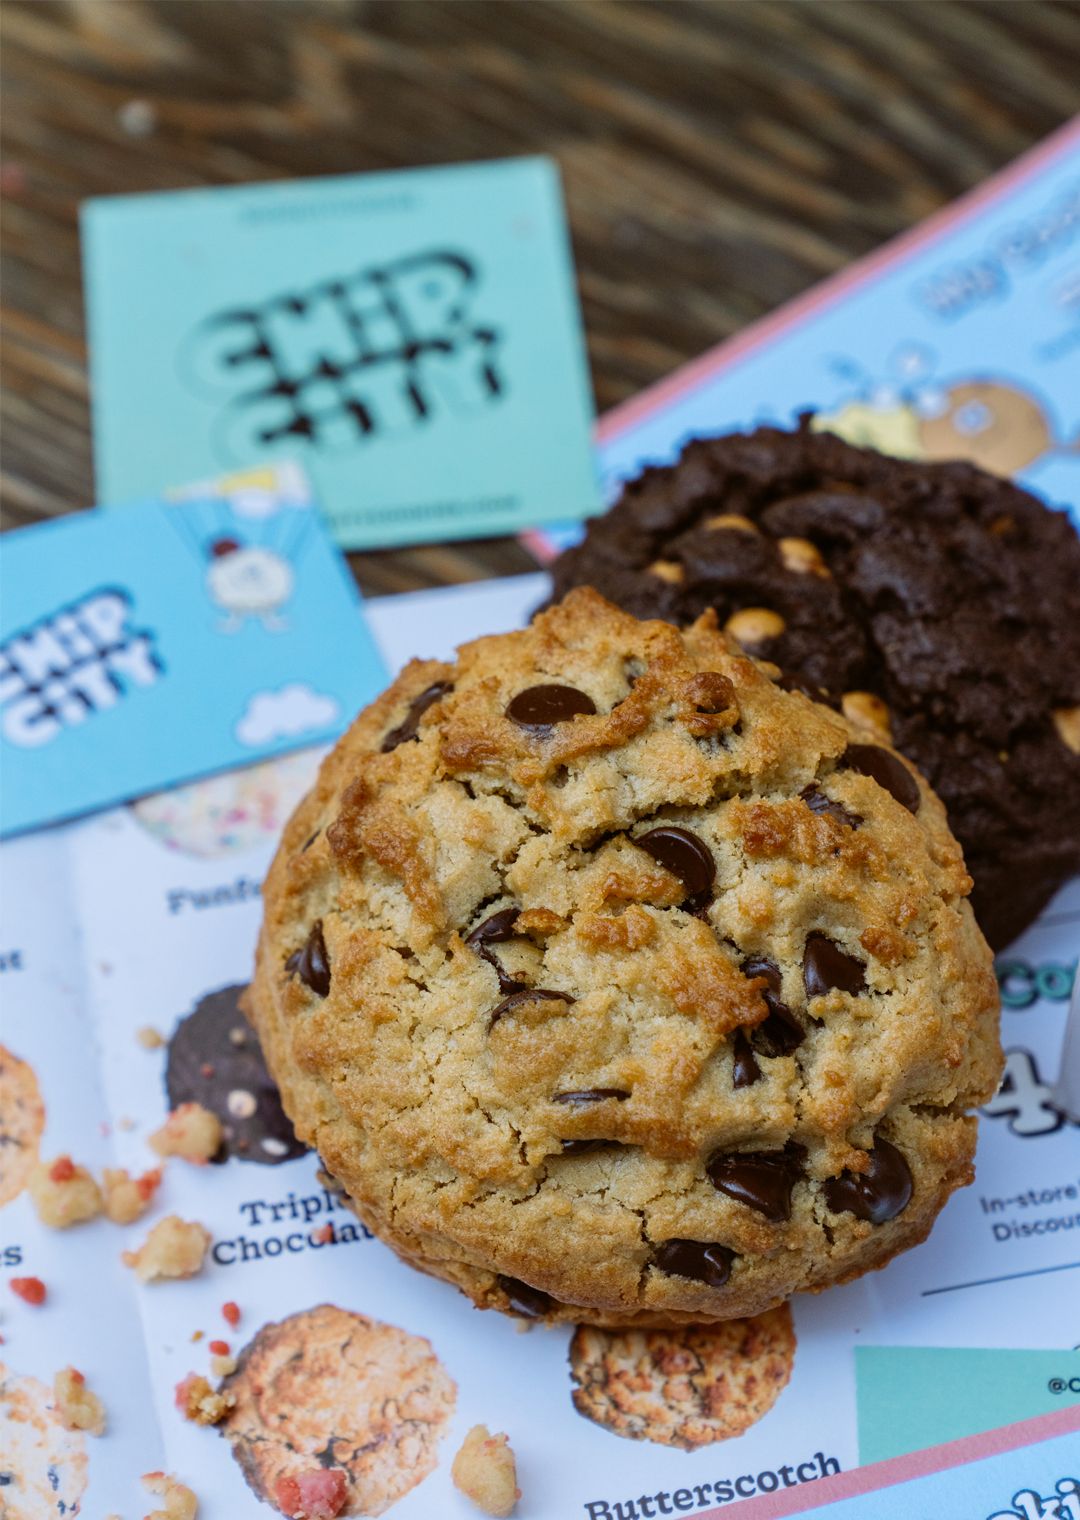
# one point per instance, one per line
(993, 424)
(248, 581)
(329, 1389)
(214, 1059)
(231, 813)
(43, 1467)
(686, 1387)
(22, 1119)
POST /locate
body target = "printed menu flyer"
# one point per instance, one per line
(125, 942)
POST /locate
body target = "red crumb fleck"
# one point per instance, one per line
(180, 1392)
(62, 1169)
(206, 1069)
(316, 1495)
(324, 1234)
(30, 1289)
(218, 1348)
(230, 1312)
(76, 1376)
(147, 1185)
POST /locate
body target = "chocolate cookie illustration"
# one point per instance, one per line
(331, 1389)
(214, 1059)
(22, 1119)
(686, 1387)
(43, 1467)
(231, 813)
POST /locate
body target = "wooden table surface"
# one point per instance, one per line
(718, 157)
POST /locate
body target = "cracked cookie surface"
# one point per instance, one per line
(935, 602)
(617, 984)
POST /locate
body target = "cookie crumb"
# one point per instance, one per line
(316, 1495)
(230, 1313)
(180, 1502)
(127, 1198)
(63, 1194)
(222, 1366)
(174, 1248)
(199, 1402)
(485, 1472)
(149, 1037)
(78, 1408)
(30, 1289)
(191, 1132)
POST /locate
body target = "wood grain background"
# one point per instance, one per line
(718, 157)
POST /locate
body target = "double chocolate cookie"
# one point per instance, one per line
(617, 984)
(938, 605)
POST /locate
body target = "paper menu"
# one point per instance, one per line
(164, 896)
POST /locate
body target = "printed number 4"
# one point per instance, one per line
(1023, 1099)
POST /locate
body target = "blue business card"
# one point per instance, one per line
(145, 646)
(412, 338)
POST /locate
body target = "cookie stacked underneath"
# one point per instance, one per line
(617, 984)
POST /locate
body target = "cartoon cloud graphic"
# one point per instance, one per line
(285, 714)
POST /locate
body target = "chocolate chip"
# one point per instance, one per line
(789, 682)
(526, 995)
(761, 1179)
(878, 1194)
(686, 856)
(590, 1095)
(526, 1300)
(884, 768)
(710, 1264)
(540, 707)
(495, 931)
(310, 841)
(582, 1147)
(826, 966)
(745, 1071)
(311, 963)
(409, 728)
(817, 802)
(781, 1032)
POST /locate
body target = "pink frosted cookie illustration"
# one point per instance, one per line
(22, 1119)
(231, 813)
(686, 1387)
(328, 1389)
(43, 1467)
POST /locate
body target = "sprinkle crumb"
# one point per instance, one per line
(323, 1235)
(218, 1348)
(78, 1408)
(485, 1472)
(320, 1494)
(180, 1502)
(149, 1037)
(230, 1313)
(197, 1400)
(191, 1132)
(30, 1289)
(127, 1198)
(63, 1194)
(174, 1248)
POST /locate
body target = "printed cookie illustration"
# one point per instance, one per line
(994, 424)
(43, 1467)
(214, 1059)
(685, 1387)
(22, 1119)
(329, 1389)
(228, 814)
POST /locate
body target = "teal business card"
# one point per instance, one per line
(143, 647)
(413, 339)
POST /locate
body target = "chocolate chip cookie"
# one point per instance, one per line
(938, 605)
(617, 984)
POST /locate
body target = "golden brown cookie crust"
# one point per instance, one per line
(444, 1104)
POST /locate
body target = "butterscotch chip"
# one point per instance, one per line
(77, 1407)
(631, 1118)
(191, 1132)
(731, 520)
(149, 1037)
(174, 1248)
(752, 626)
(484, 1470)
(687, 1387)
(667, 570)
(867, 712)
(63, 1193)
(802, 556)
(1067, 723)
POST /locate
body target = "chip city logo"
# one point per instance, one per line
(1062, 1504)
(373, 354)
(81, 660)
